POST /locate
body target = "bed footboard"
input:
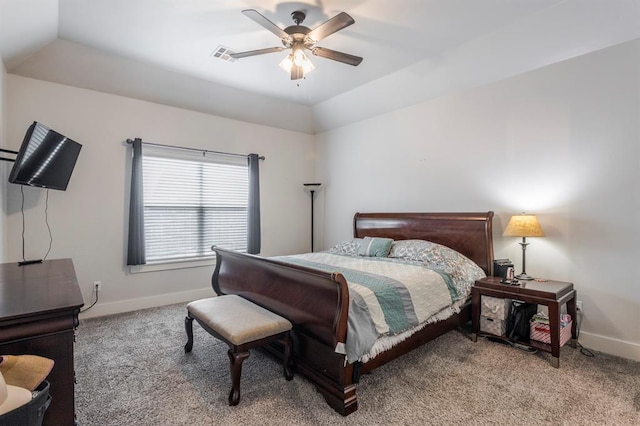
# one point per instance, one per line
(317, 304)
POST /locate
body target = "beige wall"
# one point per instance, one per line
(4, 165)
(89, 220)
(562, 142)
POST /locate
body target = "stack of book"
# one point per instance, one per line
(540, 330)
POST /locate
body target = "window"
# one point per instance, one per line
(183, 201)
(193, 201)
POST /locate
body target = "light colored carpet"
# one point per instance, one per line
(132, 370)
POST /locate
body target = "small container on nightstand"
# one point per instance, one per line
(493, 315)
(542, 332)
(493, 326)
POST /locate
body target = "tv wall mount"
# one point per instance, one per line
(10, 152)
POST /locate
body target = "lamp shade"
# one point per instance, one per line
(312, 187)
(523, 225)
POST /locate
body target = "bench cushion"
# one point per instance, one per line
(236, 319)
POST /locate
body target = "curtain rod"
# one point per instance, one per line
(204, 151)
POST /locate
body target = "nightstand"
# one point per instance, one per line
(552, 294)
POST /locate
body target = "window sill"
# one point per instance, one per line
(166, 266)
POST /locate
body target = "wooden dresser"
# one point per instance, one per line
(39, 306)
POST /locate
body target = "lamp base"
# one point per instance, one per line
(525, 277)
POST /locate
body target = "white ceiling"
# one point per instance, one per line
(160, 50)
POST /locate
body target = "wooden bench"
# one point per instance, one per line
(242, 325)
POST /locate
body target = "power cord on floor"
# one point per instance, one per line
(505, 341)
(95, 291)
(466, 330)
(584, 351)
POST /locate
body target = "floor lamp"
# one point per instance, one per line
(523, 225)
(312, 188)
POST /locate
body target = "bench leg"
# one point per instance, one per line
(288, 374)
(188, 326)
(236, 359)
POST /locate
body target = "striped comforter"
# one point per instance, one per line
(386, 297)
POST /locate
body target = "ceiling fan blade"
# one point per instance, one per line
(338, 22)
(260, 19)
(239, 55)
(323, 52)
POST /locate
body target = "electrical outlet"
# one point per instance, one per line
(97, 286)
(579, 305)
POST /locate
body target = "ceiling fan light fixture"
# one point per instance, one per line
(287, 63)
(298, 62)
(299, 58)
(306, 64)
(298, 38)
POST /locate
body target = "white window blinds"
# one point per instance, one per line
(193, 201)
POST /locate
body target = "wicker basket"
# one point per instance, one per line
(31, 413)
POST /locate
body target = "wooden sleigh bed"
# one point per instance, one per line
(317, 302)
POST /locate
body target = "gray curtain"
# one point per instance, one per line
(253, 212)
(136, 252)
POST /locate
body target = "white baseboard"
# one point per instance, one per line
(628, 350)
(102, 309)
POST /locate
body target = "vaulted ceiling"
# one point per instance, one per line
(162, 50)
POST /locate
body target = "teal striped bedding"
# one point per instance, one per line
(387, 297)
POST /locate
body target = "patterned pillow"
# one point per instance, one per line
(421, 250)
(375, 247)
(463, 271)
(347, 248)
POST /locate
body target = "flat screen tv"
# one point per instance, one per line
(46, 159)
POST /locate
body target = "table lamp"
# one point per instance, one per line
(523, 225)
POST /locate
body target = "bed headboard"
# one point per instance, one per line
(467, 233)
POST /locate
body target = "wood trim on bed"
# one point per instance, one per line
(317, 302)
(317, 305)
(468, 233)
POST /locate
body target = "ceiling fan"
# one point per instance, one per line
(299, 38)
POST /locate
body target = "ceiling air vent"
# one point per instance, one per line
(223, 52)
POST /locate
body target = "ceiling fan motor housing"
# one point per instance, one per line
(298, 35)
(298, 16)
(298, 32)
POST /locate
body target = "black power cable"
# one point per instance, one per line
(46, 220)
(584, 351)
(95, 290)
(22, 211)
